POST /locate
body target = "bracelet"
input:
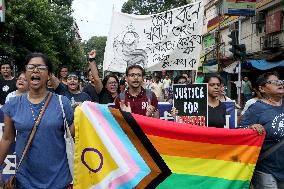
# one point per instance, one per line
(92, 59)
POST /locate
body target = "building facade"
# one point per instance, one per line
(262, 34)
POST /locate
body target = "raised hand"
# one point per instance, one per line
(174, 111)
(150, 110)
(124, 107)
(92, 54)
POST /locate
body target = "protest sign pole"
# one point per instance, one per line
(239, 66)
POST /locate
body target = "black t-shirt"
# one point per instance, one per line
(59, 90)
(217, 116)
(64, 85)
(91, 91)
(105, 97)
(79, 97)
(6, 86)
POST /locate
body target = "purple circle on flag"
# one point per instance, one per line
(85, 163)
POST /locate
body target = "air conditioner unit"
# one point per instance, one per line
(276, 42)
(270, 42)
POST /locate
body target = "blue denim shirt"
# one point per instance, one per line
(45, 164)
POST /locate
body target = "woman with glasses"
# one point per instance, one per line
(45, 164)
(22, 86)
(267, 114)
(107, 89)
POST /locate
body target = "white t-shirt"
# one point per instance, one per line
(157, 88)
(10, 95)
(239, 84)
(167, 83)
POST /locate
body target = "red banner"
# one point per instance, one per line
(273, 23)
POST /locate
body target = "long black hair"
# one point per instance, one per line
(211, 75)
(107, 78)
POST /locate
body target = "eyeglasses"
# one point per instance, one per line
(5, 68)
(32, 67)
(135, 74)
(276, 82)
(112, 83)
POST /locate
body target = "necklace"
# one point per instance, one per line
(31, 107)
(272, 102)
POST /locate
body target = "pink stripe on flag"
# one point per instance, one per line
(134, 169)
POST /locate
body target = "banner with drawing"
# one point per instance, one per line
(191, 102)
(169, 40)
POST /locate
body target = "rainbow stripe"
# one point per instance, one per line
(121, 150)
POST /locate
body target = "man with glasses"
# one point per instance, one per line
(7, 82)
(136, 99)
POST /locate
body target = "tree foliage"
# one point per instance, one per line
(98, 43)
(40, 26)
(146, 7)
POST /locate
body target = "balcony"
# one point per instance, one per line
(270, 42)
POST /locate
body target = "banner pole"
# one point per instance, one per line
(239, 67)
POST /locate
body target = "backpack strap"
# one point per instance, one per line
(149, 94)
(122, 96)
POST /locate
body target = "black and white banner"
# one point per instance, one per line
(170, 40)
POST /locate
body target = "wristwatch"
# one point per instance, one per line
(92, 59)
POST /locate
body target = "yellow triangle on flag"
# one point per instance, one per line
(92, 157)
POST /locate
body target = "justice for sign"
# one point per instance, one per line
(188, 93)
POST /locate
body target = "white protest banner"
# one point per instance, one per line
(170, 40)
(2, 11)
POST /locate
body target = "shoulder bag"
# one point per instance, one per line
(11, 183)
(69, 142)
(266, 153)
(270, 150)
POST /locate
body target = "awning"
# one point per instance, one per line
(210, 66)
(265, 65)
(258, 64)
(232, 68)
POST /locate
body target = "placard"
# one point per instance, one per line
(191, 103)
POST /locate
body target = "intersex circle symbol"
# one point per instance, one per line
(85, 163)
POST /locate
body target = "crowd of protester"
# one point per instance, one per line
(23, 98)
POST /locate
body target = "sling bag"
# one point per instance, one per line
(270, 150)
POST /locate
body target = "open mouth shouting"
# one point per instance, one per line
(72, 86)
(35, 80)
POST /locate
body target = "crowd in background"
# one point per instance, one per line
(24, 97)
